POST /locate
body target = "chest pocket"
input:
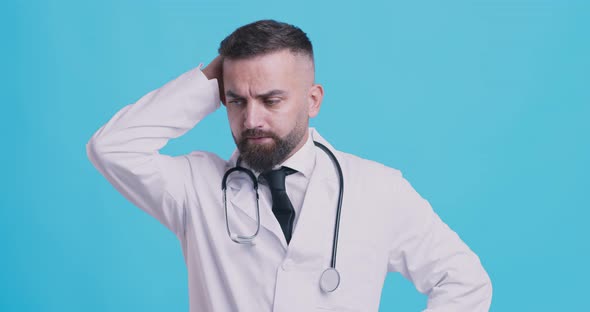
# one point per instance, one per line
(362, 273)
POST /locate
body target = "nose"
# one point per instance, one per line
(254, 115)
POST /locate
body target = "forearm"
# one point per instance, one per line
(163, 114)
(453, 277)
(439, 264)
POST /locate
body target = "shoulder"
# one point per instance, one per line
(366, 167)
(370, 174)
(206, 161)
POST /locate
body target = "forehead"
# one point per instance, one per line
(274, 70)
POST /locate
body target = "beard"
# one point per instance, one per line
(263, 157)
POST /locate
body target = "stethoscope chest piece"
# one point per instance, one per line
(329, 280)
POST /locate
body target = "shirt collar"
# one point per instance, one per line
(303, 160)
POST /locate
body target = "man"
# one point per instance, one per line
(264, 75)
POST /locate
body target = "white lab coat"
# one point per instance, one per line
(385, 225)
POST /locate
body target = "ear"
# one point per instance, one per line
(315, 97)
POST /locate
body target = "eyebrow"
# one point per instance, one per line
(230, 93)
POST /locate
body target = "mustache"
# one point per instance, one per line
(249, 133)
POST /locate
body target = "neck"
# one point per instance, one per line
(299, 145)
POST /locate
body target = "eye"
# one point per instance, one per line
(236, 102)
(272, 101)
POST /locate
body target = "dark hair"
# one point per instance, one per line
(262, 37)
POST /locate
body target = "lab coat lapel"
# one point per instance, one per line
(312, 238)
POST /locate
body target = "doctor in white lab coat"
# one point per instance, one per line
(385, 225)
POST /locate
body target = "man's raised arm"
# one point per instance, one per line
(126, 149)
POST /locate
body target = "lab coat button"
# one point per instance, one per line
(287, 265)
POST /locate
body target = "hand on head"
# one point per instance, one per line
(215, 71)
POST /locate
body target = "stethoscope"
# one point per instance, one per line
(330, 278)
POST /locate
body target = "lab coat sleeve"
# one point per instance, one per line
(433, 257)
(126, 149)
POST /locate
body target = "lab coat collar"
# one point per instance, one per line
(318, 211)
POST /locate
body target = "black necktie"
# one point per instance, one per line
(281, 205)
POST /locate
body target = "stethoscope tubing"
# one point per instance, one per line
(339, 207)
(240, 239)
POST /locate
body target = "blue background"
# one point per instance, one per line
(483, 105)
